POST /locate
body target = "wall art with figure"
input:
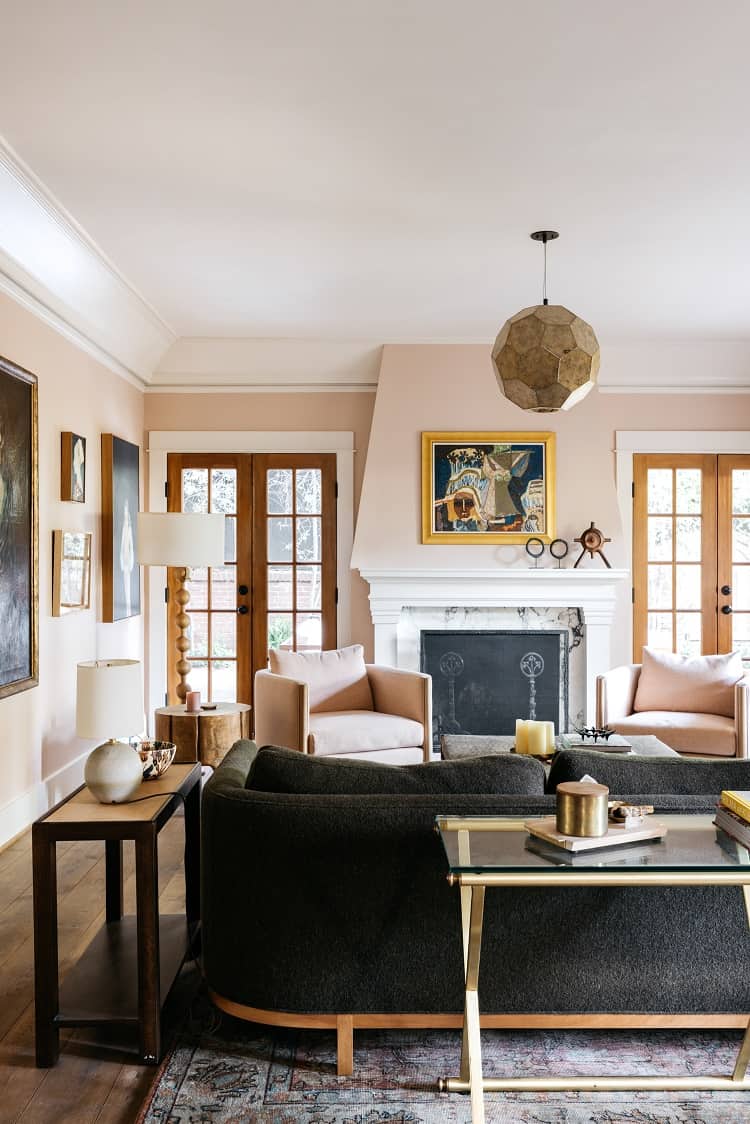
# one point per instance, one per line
(19, 530)
(487, 487)
(73, 467)
(121, 578)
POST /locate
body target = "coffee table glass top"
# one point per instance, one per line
(501, 844)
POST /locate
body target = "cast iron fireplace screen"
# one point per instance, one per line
(483, 680)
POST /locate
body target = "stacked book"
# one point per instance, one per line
(733, 815)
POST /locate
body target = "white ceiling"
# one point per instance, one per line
(356, 169)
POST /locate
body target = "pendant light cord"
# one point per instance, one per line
(544, 283)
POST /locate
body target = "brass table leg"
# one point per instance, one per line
(470, 1080)
(743, 1057)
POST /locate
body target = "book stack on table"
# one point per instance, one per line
(733, 815)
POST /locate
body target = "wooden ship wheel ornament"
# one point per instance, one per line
(592, 540)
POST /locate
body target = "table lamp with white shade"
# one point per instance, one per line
(109, 704)
(185, 540)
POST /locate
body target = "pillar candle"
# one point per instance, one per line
(193, 702)
(550, 736)
(522, 738)
(537, 738)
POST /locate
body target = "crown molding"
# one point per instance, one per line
(51, 266)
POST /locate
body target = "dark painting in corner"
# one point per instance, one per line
(121, 575)
(19, 529)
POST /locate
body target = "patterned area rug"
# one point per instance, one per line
(224, 1071)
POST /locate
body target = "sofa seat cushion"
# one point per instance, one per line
(626, 775)
(287, 771)
(703, 684)
(358, 731)
(709, 735)
(336, 680)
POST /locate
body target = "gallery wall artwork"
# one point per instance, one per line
(121, 579)
(488, 487)
(19, 530)
(71, 571)
(73, 467)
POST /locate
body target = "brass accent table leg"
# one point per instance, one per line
(471, 1047)
(743, 1056)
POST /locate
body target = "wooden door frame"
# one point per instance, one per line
(727, 462)
(162, 442)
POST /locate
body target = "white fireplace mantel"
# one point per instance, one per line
(594, 592)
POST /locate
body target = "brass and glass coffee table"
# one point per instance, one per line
(490, 851)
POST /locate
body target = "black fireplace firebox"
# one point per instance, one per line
(483, 680)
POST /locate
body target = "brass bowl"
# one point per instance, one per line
(156, 757)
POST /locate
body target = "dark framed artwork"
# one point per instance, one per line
(482, 487)
(19, 530)
(73, 467)
(121, 575)
(71, 571)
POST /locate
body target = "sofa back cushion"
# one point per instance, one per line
(702, 684)
(630, 775)
(336, 680)
(285, 770)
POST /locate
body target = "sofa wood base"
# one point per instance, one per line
(345, 1024)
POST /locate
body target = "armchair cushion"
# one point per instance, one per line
(359, 731)
(633, 776)
(711, 735)
(282, 770)
(701, 684)
(336, 680)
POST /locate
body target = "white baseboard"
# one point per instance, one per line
(18, 814)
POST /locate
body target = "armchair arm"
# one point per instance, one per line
(742, 716)
(615, 693)
(281, 711)
(405, 693)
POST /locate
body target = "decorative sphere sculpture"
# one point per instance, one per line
(546, 358)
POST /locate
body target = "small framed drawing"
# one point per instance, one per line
(482, 487)
(121, 574)
(73, 468)
(71, 571)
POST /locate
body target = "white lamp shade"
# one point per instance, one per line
(180, 539)
(109, 699)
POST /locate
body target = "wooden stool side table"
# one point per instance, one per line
(206, 736)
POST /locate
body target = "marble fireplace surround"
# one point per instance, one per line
(403, 602)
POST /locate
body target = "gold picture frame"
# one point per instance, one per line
(488, 487)
(71, 571)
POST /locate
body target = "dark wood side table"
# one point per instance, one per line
(124, 975)
(206, 736)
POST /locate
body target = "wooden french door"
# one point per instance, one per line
(691, 553)
(277, 587)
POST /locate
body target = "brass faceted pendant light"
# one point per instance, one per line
(546, 358)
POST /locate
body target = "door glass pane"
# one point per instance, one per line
(198, 633)
(660, 587)
(309, 586)
(230, 539)
(659, 539)
(195, 489)
(741, 491)
(223, 634)
(280, 587)
(688, 547)
(224, 490)
(279, 540)
(198, 678)
(741, 635)
(688, 587)
(197, 587)
(309, 633)
(223, 590)
(741, 588)
(660, 491)
(280, 630)
(688, 487)
(308, 491)
(741, 540)
(688, 634)
(223, 680)
(279, 491)
(660, 631)
(308, 540)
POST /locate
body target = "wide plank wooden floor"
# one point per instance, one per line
(95, 1078)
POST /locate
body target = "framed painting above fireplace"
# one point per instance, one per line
(488, 487)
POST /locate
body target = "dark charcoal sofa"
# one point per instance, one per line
(325, 902)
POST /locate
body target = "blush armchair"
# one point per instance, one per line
(698, 705)
(333, 704)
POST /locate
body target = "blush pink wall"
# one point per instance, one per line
(37, 727)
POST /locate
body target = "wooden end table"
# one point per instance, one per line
(206, 736)
(124, 975)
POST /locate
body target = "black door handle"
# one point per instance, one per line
(726, 590)
(242, 610)
(242, 590)
(726, 610)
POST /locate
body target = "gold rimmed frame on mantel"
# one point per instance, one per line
(487, 487)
